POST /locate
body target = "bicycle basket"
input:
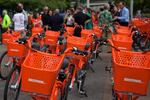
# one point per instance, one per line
(86, 33)
(137, 22)
(131, 71)
(123, 30)
(39, 72)
(70, 30)
(145, 28)
(9, 37)
(16, 50)
(51, 37)
(37, 30)
(122, 42)
(78, 42)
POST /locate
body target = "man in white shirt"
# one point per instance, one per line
(19, 20)
(20, 5)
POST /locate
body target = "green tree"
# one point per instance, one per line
(34, 4)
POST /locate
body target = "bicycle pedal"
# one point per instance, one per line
(13, 87)
(6, 65)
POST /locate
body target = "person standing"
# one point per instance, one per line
(124, 15)
(88, 23)
(36, 20)
(80, 17)
(20, 5)
(6, 22)
(56, 21)
(45, 16)
(19, 21)
(69, 20)
(50, 13)
(105, 21)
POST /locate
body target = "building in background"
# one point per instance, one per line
(94, 4)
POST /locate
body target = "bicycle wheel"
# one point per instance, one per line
(5, 65)
(66, 89)
(12, 86)
(114, 95)
(56, 94)
(81, 76)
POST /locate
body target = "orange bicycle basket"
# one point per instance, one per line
(7, 36)
(85, 33)
(123, 30)
(131, 71)
(70, 30)
(145, 28)
(78, 42)
(39, 72)
(36, 30)
(122, 42)
(137, 22)
(51, 37)
(16, 50)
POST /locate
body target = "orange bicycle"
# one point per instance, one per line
(130, 73)
(42, 75)
(6, 60)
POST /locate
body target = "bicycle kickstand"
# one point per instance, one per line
(81, 90)
(90, 66)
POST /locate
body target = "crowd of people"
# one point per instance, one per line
(54, 19)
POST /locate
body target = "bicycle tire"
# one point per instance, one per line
(66, 89)
(1, 59)
(8, 82)
(82, 82)
(57, 94)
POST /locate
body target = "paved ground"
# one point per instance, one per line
(98, 84)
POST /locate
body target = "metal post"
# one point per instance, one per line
(131, 8)
(88, 3)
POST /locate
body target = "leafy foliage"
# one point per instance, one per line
(35, 4)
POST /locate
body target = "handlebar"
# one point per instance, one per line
(22, 40)
(79, 52)
(76, 51)
(104, 41)
(41, 35)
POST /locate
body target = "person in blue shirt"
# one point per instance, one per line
(124, 15)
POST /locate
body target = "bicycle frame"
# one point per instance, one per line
(58, 85)
(124, 95)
